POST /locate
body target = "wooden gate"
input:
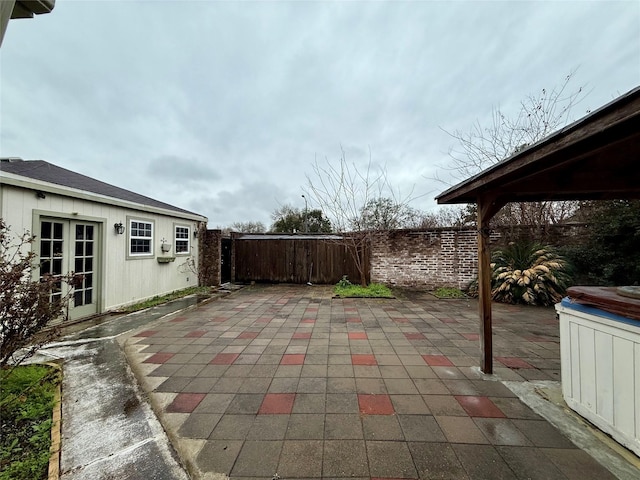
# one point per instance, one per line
(293, 259)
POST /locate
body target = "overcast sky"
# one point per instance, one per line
(222, 107)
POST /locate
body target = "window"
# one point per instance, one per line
(140, 238)
(183, 235)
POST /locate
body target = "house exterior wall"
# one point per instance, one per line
(121, 279)
(425, 259)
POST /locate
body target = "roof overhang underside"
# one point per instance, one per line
(595, 158)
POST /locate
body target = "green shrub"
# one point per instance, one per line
(609, 253)
(344, 288)
(529, 273)
(344, 283)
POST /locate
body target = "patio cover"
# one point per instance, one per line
(594, 158)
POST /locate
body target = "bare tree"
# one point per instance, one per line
(539, 116)
(246, 227)
(343, 192)
(27, 306)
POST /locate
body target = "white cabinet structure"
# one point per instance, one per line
(600, 355)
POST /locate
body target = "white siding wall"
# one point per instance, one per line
(123, 281)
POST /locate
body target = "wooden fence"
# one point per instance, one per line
(291, 259)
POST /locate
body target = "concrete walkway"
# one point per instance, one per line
(109, 430)
(286, 382)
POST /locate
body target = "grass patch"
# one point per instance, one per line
(152, 302)
(449, 292)
(345, 288)
(26, 409)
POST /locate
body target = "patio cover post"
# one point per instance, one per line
(487, 208)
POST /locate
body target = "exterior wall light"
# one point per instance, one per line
(119, 228)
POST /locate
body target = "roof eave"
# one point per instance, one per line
(468, 191)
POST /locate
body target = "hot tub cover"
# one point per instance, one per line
(606, 299)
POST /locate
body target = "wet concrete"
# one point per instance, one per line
(109, 431)
(117, 324)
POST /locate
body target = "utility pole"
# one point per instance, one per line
(306, 223)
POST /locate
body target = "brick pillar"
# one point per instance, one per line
(210, 250)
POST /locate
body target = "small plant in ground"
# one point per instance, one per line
(26, 404)
(449, 292)
(344, 288)
(27, 306)
(525, 272)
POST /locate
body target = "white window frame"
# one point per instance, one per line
(131, 237)
(177, 239)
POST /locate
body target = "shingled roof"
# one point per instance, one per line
(48, 172)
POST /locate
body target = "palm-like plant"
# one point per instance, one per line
(525, 272)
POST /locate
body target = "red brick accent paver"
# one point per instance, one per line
(354, 320)
(437, 361)
(358, 336)
(479, 406)
(400, 320)
(277, 403)
(414, 336)
(471, 336)
(308, 320)
(375, 404)
(224, 358)
(219, 319)
(363, 360)
(185, 402)
(247, 335)
(292, 359)
(146, 333)
(301, 335)
(159, 357)
(514, 362)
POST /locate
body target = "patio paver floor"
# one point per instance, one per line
(287, 380)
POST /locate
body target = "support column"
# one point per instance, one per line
(487, 208)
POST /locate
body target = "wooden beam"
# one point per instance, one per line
(487, 208)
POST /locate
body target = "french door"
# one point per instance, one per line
(71, 246)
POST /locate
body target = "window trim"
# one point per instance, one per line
(176, 239)
(135, 256)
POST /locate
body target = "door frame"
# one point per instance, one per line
(99, 247)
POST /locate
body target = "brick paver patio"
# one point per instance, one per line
(287, 380)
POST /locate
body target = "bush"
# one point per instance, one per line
(610, 252)
(528, 273)
(26, 305)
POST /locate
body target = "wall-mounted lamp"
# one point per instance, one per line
(195, 233)
(40, 194)
(119, 228)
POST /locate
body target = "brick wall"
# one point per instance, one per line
(425, 259)
(210, 248)
(447, 257)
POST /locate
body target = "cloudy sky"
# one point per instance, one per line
(222, 107)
